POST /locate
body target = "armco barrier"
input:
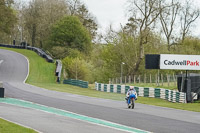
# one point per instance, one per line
(80, 83)
(58, 69)
(170, 95)
(37, 50)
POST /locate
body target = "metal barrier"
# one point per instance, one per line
(170, 95)
(58, 69)
(37, 50)
(80, 83)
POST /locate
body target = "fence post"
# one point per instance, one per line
(162, 78)
(158, 78)
(145, 78)
(168, 79)
(182, 82)
(139, 79)
(150, 78)
(129, 79)
(64, 74)
(134, 79)
(174, 79)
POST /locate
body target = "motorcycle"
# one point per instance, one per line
(132, 101)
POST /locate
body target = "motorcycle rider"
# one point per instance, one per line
(131, 93)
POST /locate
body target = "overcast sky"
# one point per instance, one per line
(108, 12)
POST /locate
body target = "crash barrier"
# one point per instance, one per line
(37, 50)
(170, 95)
(58, 69)
(1, 90)
(80, 83)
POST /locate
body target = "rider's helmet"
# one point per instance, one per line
(131, 87)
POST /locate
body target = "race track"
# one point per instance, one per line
(13, 72)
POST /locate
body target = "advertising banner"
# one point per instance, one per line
(180, 62)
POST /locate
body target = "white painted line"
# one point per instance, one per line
(1, 61)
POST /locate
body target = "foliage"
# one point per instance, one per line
(59, 52)
(69, 32)
(189, 46)
(38, 17)
(77, 68)
(79, 9)
(7, 16)
(87, 20)
(122, 48)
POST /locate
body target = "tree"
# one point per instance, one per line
(78, 68)
(144, 14)
(69, 32)
(40, 15)
(7, 16)
(168, 15)
(188, 16)
(87, 20)
(32, 15)
(73, 6)
(77, 8)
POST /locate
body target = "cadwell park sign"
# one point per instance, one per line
(180, 62)
(172, 61)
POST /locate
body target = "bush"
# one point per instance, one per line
(59, 52)
(77, 68)
(70, 33)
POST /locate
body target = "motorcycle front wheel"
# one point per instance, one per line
(132, 103)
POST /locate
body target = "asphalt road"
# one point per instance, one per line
(13, 71)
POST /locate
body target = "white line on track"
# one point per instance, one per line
(1, 61)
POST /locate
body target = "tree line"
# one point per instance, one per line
(68, 31)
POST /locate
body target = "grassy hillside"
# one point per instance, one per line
(40, 71)
(42, 75)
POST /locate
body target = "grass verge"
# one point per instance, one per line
(42, 75)
(8, 127)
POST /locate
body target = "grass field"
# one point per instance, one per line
(8, 127)
(42, 75)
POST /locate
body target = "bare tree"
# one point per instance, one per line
(73, 6)
(144, 13)
(168, 15)
(188, 16)
(40, 15)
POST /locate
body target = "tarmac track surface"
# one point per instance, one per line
(13, 71)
